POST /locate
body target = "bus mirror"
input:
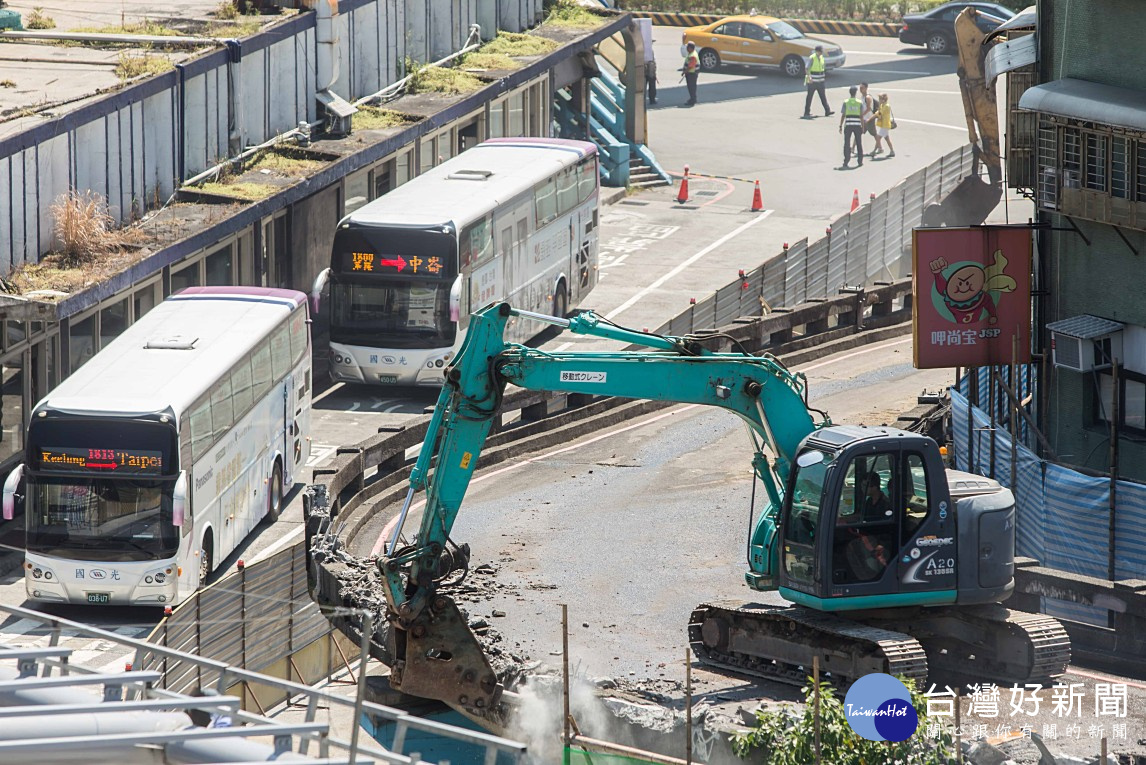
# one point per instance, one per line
(179, 500)
(456, 299)
(10, 487)
(316, 290)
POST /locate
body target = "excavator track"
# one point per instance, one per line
(966, 644)
(779, 642)
(989, 643)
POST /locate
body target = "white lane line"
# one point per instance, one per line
(865, 70)
(354, 407)
(326, 393)
(280, 544)
(562, 347)
(21, 627)
(960, 128)
(853, 354)
(913, 90)
(633, 300)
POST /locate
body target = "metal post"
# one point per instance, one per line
(958, 727)
(816, 704)
(1102, 759)
(1014, 418)
(367, 632)
(1114, 415)
(991, 401)
(972, 389)
(687, 706)
(565, 684)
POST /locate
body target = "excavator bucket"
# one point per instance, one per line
(968, 204)
(438, 657)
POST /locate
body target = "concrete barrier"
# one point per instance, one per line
(807, 26)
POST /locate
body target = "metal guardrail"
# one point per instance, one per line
(221, 676)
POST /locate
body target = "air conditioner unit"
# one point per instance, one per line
(1086, 342)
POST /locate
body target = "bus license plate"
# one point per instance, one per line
(391, 379)
(98, 597)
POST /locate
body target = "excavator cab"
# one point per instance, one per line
(869, 523)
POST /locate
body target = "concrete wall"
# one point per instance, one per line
(136, 145)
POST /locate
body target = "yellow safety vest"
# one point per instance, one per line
(692, 62)
(853, 110)
(816, 69)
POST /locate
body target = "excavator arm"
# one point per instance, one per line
(436, 655)
(973, 199)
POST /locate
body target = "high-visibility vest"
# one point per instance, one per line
(692, 62)
(853, 111)
(816, 68)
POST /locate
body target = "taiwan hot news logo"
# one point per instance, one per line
(878, 707)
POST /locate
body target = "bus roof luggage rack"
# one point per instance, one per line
(172, 343)
(470, 175)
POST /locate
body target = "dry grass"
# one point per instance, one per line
(38, 20)
(132, 65)
(246, 190)
(516, 44)
(373, 118)
(282, 164)
(437, 79)
(245, 28)
(144, 27)
(7, 83)
(226, 10)
(486, 61)
(83, 227)
(566, 13)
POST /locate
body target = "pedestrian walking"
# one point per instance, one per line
(691, 71)
(884, 122)
(851, 125)
(646, 27)
(814, 78)
(869, 109)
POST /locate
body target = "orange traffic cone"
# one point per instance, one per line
(757, 202)
(855, 200)
(682, 196)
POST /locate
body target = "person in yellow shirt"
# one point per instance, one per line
(691, 71)
(883, 122)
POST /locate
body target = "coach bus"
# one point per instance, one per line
(154, 460)
(510, 219)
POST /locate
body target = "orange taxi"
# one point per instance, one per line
(754, 40)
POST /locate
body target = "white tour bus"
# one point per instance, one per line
(511, 219)
(149, 464)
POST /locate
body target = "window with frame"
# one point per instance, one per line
(1131, 400)
(222, 413)
(1096, 161)
(280, 352)
(732, 29)
(567, 190)
(241, 387)
(545, 201)
(202, 435)
(261, 372)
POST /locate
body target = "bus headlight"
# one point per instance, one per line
(37, 573)
(158, 576)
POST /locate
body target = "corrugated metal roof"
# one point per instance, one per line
(1085, 326)
(1089, 101)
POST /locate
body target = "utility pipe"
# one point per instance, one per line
(170, 41)
(475, 35)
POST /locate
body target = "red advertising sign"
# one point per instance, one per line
(972, 291)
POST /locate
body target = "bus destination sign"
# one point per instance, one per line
(101, 460)
(369, 262)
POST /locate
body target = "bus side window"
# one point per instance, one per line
(567, 190)
(586, 178)
(222, 415)
(299, 337)
(241, 387)
(261, 371)
(201, 434)
(280, 352)
(545, 200)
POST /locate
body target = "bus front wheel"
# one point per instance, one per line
(560, 302)
(275, 493)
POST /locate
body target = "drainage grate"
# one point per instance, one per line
(633, 202)
(705, 193)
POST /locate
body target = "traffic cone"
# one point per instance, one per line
(757, 202)
(682, 196)
(855, 200)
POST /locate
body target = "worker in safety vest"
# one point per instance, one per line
(814, 79)
(851, 125)
(691, 71)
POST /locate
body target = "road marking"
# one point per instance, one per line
(1093, 676)
(912, 90)
(354, 407)
(326, 393)
(562, 347)
(655, 285)
(388, 529)
(853, 354)
(865, 70)
(960, 128)
(280, 544)
(319, 453)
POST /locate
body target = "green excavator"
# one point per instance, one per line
(889, 561)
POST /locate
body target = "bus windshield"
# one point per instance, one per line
(101, 519)
(101, 489)
(391, 313)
